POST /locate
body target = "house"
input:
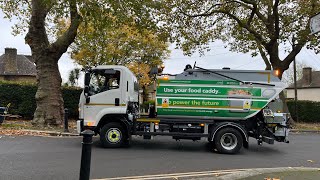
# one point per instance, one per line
(16, 67)
(308, 87)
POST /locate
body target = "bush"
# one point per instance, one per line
(71, 97)
(308, 111)
(22, 99)
(145, 105)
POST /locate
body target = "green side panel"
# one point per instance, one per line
(259, 104)
(202, 112)
(204, 103)
(206, 91)
(197, 98)
(208, 82)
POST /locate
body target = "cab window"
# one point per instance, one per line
(104, 80)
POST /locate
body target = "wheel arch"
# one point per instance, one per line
(114, 118)
(236, 126)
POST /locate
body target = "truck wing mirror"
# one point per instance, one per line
(86, 91)
(86, 79)
(87, 100)
(86, 94)
(136, 86)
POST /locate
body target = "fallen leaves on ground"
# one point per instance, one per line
(14, 132)
(22, 127)
(307, 126)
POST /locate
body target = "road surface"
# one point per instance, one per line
(28, 157)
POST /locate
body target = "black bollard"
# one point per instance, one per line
(66, 125)
(86, 154)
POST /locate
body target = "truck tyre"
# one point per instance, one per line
(228, 141)
(113, 135)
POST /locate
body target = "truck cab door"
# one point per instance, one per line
(105, 93)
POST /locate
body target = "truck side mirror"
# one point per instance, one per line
(86, 79)
(86, 91)
(87, 100)
(86, 94)
(86, 86)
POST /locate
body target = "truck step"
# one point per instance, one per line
(171, 134)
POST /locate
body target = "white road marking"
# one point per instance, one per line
(176, 175)
(205, 173)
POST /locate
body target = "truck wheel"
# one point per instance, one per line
(113, 135)
(228, 141)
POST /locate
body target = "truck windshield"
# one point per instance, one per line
(103, 81)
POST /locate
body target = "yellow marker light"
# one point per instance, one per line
(156, 123)
(278, 111)
(277, 72)
(201, 124)
(90, 123)
(166, 78)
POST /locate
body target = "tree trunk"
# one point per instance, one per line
(50, 106)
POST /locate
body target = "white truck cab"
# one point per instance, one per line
(109, 90)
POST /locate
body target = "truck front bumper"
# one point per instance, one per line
(81, 127)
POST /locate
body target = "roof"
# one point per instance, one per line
(24, 66)
(314, 84)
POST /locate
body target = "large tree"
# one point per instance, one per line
(39, 19)
(261, 27)
(126, 44)
(119, 44)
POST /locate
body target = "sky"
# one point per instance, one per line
(217, 58)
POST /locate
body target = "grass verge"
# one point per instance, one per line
(307, 126)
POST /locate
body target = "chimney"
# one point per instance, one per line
(306, 76)
(10, 60)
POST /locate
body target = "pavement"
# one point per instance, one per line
(281, 173)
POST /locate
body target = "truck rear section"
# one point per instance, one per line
(225, 107)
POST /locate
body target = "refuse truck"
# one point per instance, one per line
(223, 106)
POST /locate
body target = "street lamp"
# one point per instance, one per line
(162, 67)
(160, 70)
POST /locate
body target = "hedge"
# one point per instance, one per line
(145, 105)
(308, 111)
(22, 99)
